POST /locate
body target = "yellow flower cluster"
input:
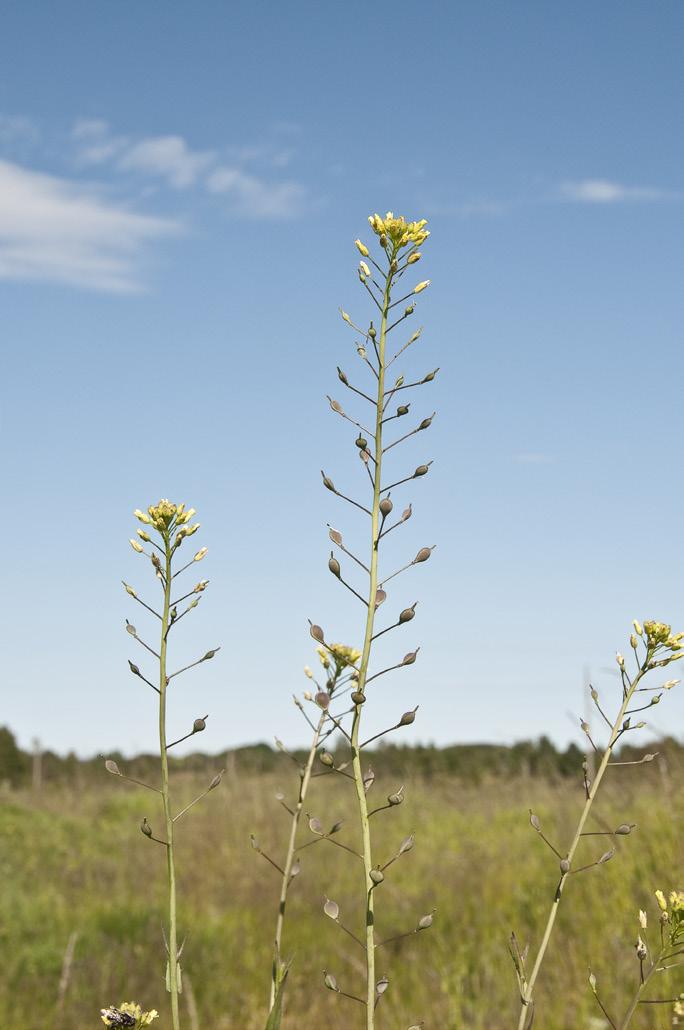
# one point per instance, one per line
(165, 515)
(342, 655)
(659, 633)
(398, 231)
(128, 1014)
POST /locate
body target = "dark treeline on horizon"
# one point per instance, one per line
(470, 762)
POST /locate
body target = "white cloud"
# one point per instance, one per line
(168, 157)
(95, 144)
(604, 191)
(254, 197)
(55, 230)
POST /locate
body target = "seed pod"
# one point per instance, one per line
(254, 842)
(296, 870)
(625, 828)
(361, 442)
(426, 922)
(134, 668)
(406, 514)
(430, 376)
(426, 423)
(146, 828)
(210, 654)
(648, 758)
(380, 596)
(564, 866)
(410, 658)
(403, 409)
(130, 628)
(325, 758)
(200, 724)
(381, 986)
(336, 406)
(408, 717)
(358, 697)
(397, 798)
(334, 565)
(215, 782)
(371, 331)
(336, 827)
(534, 820)
(410, 309)
(377, 876)
(335, 536)
(327, 482)
(331, 909)
(368, 779)
(112, 767)
(423, 555)
(317, 633)
(385, 506)
(641, 950)
(407, 614)
(330, 981)
(341, 376)
(422, 470)
(316, 826)
(406, 844)
(606, 857)
(323, 699)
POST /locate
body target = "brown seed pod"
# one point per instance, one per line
(422, 470)
(341, 376)
(410, 658)
(323, 699)
(408, 717)
(317, 633)
(334, 565)
(423, 555)
(327, 482)
(358, 697)
(385, 506)
(408, 614)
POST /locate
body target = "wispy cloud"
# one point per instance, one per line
(55, 230)
(606, 191)
(226, 172)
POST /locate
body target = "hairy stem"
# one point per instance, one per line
(363, 670)
(168, 818)
(528, 988)
(289, 860)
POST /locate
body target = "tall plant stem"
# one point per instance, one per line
(528, 989)
(168, 818)
(363, 669)
(289, 859)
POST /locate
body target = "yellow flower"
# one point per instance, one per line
(660, 898)
(422, 286)
(398, 231)
(323, 655)
(128, 1014)
(657, 632)
(344, 655)
(136, 546)
(142, 516)
(200, 554)
(162, 514)
(362, 248)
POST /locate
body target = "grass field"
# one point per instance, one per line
(75, 862)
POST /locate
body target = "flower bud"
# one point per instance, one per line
(200, 554)
(362, 248)
(643, 919)
(412, 258)
(144, 536)
(660, 898)
(619, 659)
(142, 517)
(638, 627)
(129, 590)
(364, 267)
(136, 546)
(422, 286)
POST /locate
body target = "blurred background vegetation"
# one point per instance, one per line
(77, 876)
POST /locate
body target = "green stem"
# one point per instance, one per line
(640, 990)
(528, 989)
(289, 859)
(363, 670)
(168, 818)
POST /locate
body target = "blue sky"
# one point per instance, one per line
(180, 189)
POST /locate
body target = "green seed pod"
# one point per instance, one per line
(426, 423)
(134, 668)
(341, 376)
(327, 482)
(422, 470)
(325, 758)
(403, 409)
(361, 443)
(358, 697)
(430, 376)
(371, 332)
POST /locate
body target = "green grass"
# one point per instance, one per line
(77, 862)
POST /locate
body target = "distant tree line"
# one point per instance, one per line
(472, 763)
